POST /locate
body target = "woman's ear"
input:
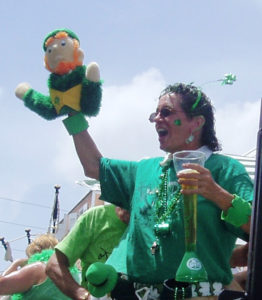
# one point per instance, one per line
(200, 122)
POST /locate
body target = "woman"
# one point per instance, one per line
(151, 190)
(29, 280)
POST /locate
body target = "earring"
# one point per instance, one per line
(190, 139)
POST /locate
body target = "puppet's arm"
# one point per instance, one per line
(92, 72)
(91, 91)
(35, 101)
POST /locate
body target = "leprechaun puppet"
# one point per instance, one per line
(73, 87)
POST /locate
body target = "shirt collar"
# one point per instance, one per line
(169, 156)
(206, 151)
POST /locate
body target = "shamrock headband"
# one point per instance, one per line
(228, 79)
(55, 32)
(199, 95)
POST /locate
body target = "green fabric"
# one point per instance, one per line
(66, 81)
(91, 95)
(76, 123)
(133, 184)
(42, 256)
(238, 214)
(93, 237)
(40, 104)
(54, 32)
(102, 279)
(44, 291)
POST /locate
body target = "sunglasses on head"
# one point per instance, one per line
(163, 112)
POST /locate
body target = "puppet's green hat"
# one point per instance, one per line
(54, 32)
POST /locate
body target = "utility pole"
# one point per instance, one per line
(54, 220)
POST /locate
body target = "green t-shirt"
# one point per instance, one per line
(93, 237)
(133, 185)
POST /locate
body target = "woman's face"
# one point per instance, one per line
(173, 128)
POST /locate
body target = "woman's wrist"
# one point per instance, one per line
(222, 198)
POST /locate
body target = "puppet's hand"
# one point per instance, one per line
(21, 89)
(92, 72)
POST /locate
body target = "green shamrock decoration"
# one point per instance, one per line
(228, 79)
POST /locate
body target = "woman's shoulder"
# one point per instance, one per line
(223, 158)
(222, 161)
(150, 160)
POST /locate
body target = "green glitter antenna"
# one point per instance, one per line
(228, 79)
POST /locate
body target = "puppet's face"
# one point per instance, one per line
(63, 55)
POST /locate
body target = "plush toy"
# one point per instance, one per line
(72, 86)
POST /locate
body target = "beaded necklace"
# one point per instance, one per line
(163, 211)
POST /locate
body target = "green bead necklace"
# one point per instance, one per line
(163, 211)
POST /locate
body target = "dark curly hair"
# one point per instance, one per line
(190, 94)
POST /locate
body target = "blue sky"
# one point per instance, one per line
(141, 46)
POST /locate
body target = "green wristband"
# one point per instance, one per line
(239, 213)
(75, 123)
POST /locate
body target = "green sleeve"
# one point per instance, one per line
(117, 180)
(40, 104)
(233, 177)
(76, 242)
(243, 187)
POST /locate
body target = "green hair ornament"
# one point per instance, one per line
(228, 79)
(199, 94)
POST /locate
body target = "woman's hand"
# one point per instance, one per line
(203, 184)
(239, 256)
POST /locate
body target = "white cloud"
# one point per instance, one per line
(122, 128)
(237, 126)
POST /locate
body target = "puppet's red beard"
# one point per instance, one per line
(64, 67)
